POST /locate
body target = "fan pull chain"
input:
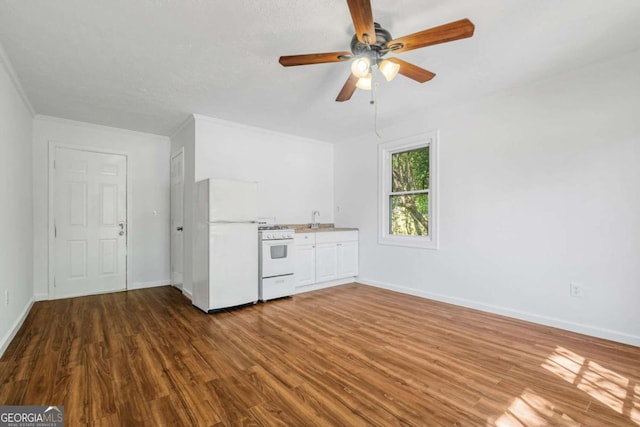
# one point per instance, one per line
(374, 84)
(375, 120)
(373, 87)
(374, 90)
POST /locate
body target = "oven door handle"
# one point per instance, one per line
(283, 242)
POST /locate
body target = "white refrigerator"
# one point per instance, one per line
(225, 244)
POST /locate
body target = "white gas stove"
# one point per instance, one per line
(276, 266)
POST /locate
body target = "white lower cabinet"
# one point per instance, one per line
(326, 262)
(305, 264)
(325, 256)
(347, 259)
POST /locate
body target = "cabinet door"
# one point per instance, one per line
(305, 265)
(347, 259)
(326, 262)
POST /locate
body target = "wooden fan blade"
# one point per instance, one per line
(314, 58)
(442, 34)
(414, 72)
(348, 89)
(362, 18)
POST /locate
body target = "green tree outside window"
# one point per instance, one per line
(409, 197)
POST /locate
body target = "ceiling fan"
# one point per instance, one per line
(371, 43)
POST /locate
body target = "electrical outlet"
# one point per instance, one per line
(575, 290)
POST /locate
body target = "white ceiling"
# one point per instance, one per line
(147, 64)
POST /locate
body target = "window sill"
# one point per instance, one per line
(409, 242)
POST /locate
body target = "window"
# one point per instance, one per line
(408, 192)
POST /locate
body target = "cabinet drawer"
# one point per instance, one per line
(336, 236)
(277, 287)
(305, 238)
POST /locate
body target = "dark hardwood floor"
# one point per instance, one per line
(346, 356)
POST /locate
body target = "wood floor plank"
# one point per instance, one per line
(349, 355)
(278, 395)
(329, 411)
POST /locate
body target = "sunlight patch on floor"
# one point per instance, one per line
(635, 410)
(604, 385)
(565, 364)
(531, 410)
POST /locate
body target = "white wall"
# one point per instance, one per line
(295, 175)
(16, 205)
(148, 250)
(539, 187)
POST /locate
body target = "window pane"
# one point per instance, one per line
(409, 215)
(410, 170)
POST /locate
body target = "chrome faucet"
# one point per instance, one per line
(314, 221)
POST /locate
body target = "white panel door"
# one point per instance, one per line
(177, 201)
(90, 220)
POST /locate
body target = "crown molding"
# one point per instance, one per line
(230, 124)
(6, 63)
(69, 122)
(185, 123)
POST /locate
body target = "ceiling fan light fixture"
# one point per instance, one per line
(389, 69)
(371, 42)
(364, 83)
(361, 67)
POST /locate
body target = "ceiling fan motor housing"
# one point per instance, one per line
(377, 49)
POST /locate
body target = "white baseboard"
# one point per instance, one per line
(143, 285)
(580, 328)
(83, 294)
(187, 293)
(41, 297)
(6, 340)
(323, 285)
(133, 286)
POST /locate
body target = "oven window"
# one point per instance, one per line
(278, 252)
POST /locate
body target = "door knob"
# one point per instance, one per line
(179, 228)
(121, 225)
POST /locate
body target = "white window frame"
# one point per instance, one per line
(385, 151)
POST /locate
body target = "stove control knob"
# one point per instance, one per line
(268, 235)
